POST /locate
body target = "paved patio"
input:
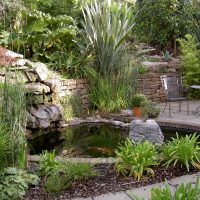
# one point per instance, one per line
(180, 119)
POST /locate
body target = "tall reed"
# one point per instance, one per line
(13, 117)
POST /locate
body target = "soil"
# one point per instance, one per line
(107, 181)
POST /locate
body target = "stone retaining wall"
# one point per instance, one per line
(41, 87)
(78, 88)
(150, 85)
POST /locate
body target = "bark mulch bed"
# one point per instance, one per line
(107, 181)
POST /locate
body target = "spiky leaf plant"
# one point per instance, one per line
(134, 159)
(182, 151)
(107, 26)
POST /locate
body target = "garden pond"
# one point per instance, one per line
(89, 140)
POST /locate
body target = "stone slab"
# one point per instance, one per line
(184, 179)
(145, 192)
(84, 199)
(116, 196)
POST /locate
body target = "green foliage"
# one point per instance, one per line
(8, 11)
(45, 31)
(142, 69)
(138, 100)
(183, 192)
(13, 118)
(67, 171)
(191, 62)
(166, 56)
(57, 183)
(106, 95)
(136, 159)
(150, 109)
(182, 151)
(107, 27)
(14, 183)
(110, 95)
(160, 22)
(57, 7)
(196, 30)
(47, 163)
(38, 34)
(72, 107)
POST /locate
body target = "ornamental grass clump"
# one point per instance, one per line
(182, 151)
(107, 26)
(134, 159)
(60, 174)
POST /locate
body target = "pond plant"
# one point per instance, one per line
(14, 181)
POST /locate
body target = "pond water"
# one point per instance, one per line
(88, 140)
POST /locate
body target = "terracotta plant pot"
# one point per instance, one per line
(137, 112)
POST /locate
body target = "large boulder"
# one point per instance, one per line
(43, 116)
(141, 131)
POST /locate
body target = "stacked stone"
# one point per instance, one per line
(151, 86)
(41, 88)
(77, 88)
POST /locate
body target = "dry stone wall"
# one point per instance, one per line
(78, 88)
(41, 87)
(150, 83)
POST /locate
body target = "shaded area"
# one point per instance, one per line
(89, 140)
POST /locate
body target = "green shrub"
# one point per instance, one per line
(182, 151)
(191, 62)
(57, 182)
(107, 95)
(65, 172)
(166, 56)
(161, 22)
(14, 183)
(150, 109)
(136, 159)
(138, 100)
(57, 7)
(183, 192)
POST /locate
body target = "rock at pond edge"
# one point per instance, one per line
(149, 130)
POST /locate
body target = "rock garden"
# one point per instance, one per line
(80, 96)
